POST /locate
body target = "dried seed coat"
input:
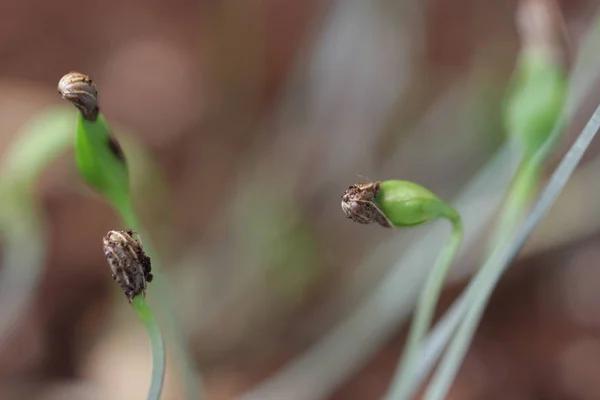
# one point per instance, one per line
(358, 204)
(80, 90)
(128, 263)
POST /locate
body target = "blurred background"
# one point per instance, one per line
(245, 122)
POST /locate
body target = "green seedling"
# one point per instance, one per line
(534, 118)
(397, 204)
(99, 157)
(102, 164)
(470, 305)
(131, 268)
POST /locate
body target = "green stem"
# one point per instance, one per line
(513, 211)
(187, 366)
(102, 164)
(517, 202)
(426, 306)
(157, 344)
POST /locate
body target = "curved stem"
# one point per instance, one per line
(584, 72)
(513, 211)
(187, 366)
(325, 366)
(156, 343)
(426, 306)
(479, 291)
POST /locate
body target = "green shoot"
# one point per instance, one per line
(426, 307)
(396, 203)
(132, 269)
(480, 289)
(157, 344)
(103, 166)
(584, 72)
(534, 118)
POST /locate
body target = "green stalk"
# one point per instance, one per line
(518, 201)
(534, 118)
(398, 203)
(513, 211)
(187, 367)
(500, 258)
(103, 165)
(156, 343)
(426, 307)
(473, 300)
(122, 203)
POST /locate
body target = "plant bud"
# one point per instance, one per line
(393, 203)
(535, 103)
(405, 203)
(540, 83)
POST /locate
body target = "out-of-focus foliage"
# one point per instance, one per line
(22, 223)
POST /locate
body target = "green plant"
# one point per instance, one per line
(396, 203)
(474, 298)
(156, 343)
(358, 336)
(534, 119)
(102, 164)
(131, 268)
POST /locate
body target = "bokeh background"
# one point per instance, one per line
(255, 117)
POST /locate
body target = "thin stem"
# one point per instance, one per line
(516, 205)
(340, 353)
(157, 344)
(482, 286)
(517, 202)
(102, 164)
(513, 210)
(187, 366)
(426, 307)
(584, 72)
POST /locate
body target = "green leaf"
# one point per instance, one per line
(101, 162)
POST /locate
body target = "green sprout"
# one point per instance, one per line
(467, 310)
(156, 343)
(99, 157)
(397, 203)
(102, 164)
(131, 268)
(534, 118)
